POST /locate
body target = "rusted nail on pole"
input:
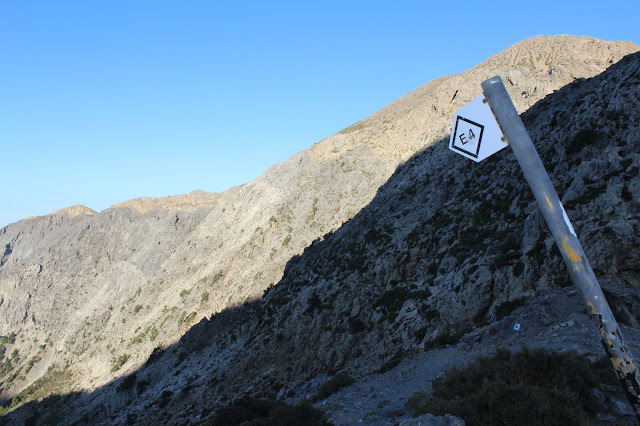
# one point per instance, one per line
(564, 235)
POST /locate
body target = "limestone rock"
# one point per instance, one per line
(94, 296)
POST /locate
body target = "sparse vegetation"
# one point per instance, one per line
(390, 363)
(185, 318)
(263, 412)
(518, 269)
(590, 193)
(190, 317)
(356, 325)
(531, 387)
(119, 361)
(35, 359)
(452, 228)
(46, 385)
(127, 383)
(217, 277)
(9, 339)
(354, 127)
(6, 366)
(333, 385)
(392, 300)
(581, 139)
(420, 333)
(153, 334)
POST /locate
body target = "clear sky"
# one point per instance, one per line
(105, 101)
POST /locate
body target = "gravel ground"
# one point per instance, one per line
(554, 319)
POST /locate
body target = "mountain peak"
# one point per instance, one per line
(103, 294)
(546, 53)
(74, 211)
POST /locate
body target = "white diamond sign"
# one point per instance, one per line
(475, 133)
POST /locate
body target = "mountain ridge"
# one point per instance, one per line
(112, 274)
(445, 261)
(520, 55)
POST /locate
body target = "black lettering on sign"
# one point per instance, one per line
(461, 139)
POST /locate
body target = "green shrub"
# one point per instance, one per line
(508, 306)
(204, 297)
(356, 325)
(217, 277)
(421, 332)
(165, 398)
(391, 363)
(582, 138)
(505, 258)
(142, 386)
(186, 319)
(137, 339)
(332, 385)
(314, 303)
(590, 193)
(10, 339)
(127, 382)
(119, 362)
(181, 318)
(529, 388)
(155, 355)
(6, 366)
(431, 314)
(31, 363)
(518, 269)
(263, 412)
(417, 402)
(626, 163)
(392, 300)
(190, 317)
(154, 334)
(286, 241)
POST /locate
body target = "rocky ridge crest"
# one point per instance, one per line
(100, 291)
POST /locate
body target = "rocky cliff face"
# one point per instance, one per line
(439, 251)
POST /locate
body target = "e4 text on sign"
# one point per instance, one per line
(475, 133)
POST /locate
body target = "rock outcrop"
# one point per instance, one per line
(439, 251)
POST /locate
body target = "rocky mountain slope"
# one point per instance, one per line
(446, 249)
(436, 253)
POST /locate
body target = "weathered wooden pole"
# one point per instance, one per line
(564, 235)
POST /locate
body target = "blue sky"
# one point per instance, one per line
(104, 101)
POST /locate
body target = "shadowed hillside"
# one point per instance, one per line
(94, 293)
(446, 250)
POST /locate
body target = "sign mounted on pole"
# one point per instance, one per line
(475, 133)
(565, 237)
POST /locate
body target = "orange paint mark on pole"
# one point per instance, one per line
(565, 237)
(573, 256)
(549, 204)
